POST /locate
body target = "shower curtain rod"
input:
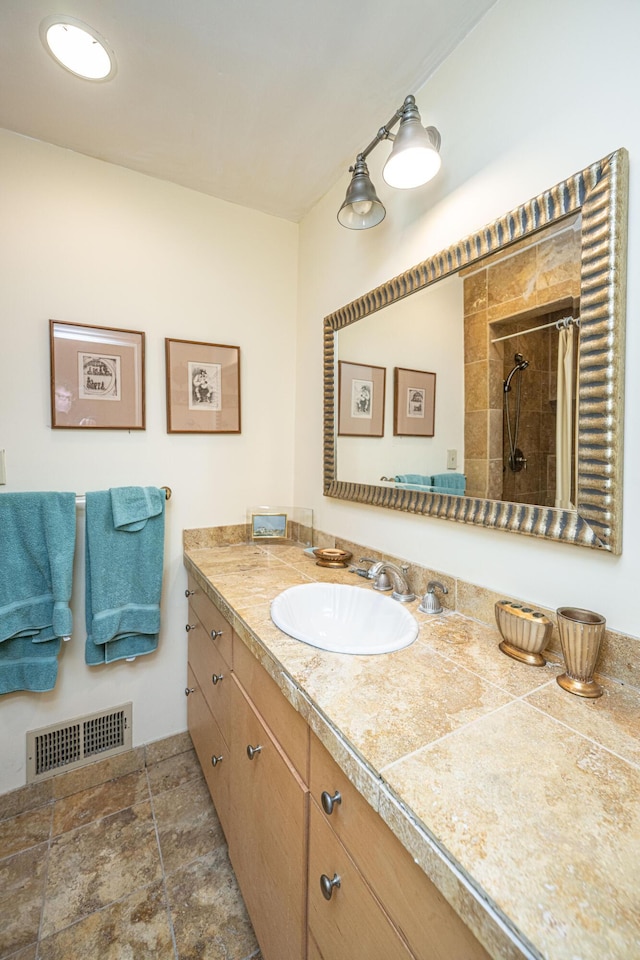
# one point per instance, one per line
(554, 323)
(81, 498)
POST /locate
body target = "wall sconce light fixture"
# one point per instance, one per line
(414, 160)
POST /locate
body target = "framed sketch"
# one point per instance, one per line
(360, 400)
(268, 526)
(414, 406)
(203, 387)
(97, 377)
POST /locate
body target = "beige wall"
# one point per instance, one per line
(87, 242)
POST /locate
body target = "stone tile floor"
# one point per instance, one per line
(123, 860)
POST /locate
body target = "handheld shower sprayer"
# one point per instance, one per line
(517, 460)
(520, 364)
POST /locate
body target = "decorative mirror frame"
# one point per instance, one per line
(600, 194)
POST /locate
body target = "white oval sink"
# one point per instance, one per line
(344, 619)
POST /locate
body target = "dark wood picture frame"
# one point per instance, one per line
(361, 398)
(203, 387)
(97, 377)
(414, 403)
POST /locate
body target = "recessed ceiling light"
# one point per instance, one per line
(78, 48)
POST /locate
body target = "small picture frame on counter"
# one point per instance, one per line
(279, 523)
(269, 526)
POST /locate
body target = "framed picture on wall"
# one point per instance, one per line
(360, 400)
(97, 377)
(203, 387)
(414, 403)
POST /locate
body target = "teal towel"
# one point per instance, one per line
(451, 481)
(37, 541)
(133, 506)
(123, 575)
(422, 480)
(25, 665)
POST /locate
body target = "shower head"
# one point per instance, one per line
(520, 364)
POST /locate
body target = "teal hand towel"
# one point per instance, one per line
(133, 506)
(421, 479)
(415, 486)
(25, 665)
(452, 481)
(37, 542)
(123, 578)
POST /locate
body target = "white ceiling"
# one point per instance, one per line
(260, 103)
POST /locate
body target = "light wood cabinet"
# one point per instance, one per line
(427, 923)
(215, 625)
(259, 786)
(262, 766)
(211, 750)
(268, 850)
(351, 924)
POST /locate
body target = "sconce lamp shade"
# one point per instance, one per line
(414, 158)
(361, 208)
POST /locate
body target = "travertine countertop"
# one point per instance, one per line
(519, 800)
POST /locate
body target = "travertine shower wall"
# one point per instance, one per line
(533, 282)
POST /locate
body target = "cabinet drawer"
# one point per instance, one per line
(212, 673)
(289, 728)
(268, 847)
(211, 750)
(430, 925)
(351, 925)
(218, 628)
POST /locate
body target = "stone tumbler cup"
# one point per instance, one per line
(581, 633)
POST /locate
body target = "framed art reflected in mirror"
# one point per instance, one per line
(361, 393)
(414, 403)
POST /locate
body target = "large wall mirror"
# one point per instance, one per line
(494, 373)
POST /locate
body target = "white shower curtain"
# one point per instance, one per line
(564, 419)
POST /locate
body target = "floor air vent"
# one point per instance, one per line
(74, 743)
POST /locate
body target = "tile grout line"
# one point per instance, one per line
(445, 736)
(584, 736)
(164, 875)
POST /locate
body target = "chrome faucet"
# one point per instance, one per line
(430, 602)
(387, 576)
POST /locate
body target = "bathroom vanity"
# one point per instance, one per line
(364, 799)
